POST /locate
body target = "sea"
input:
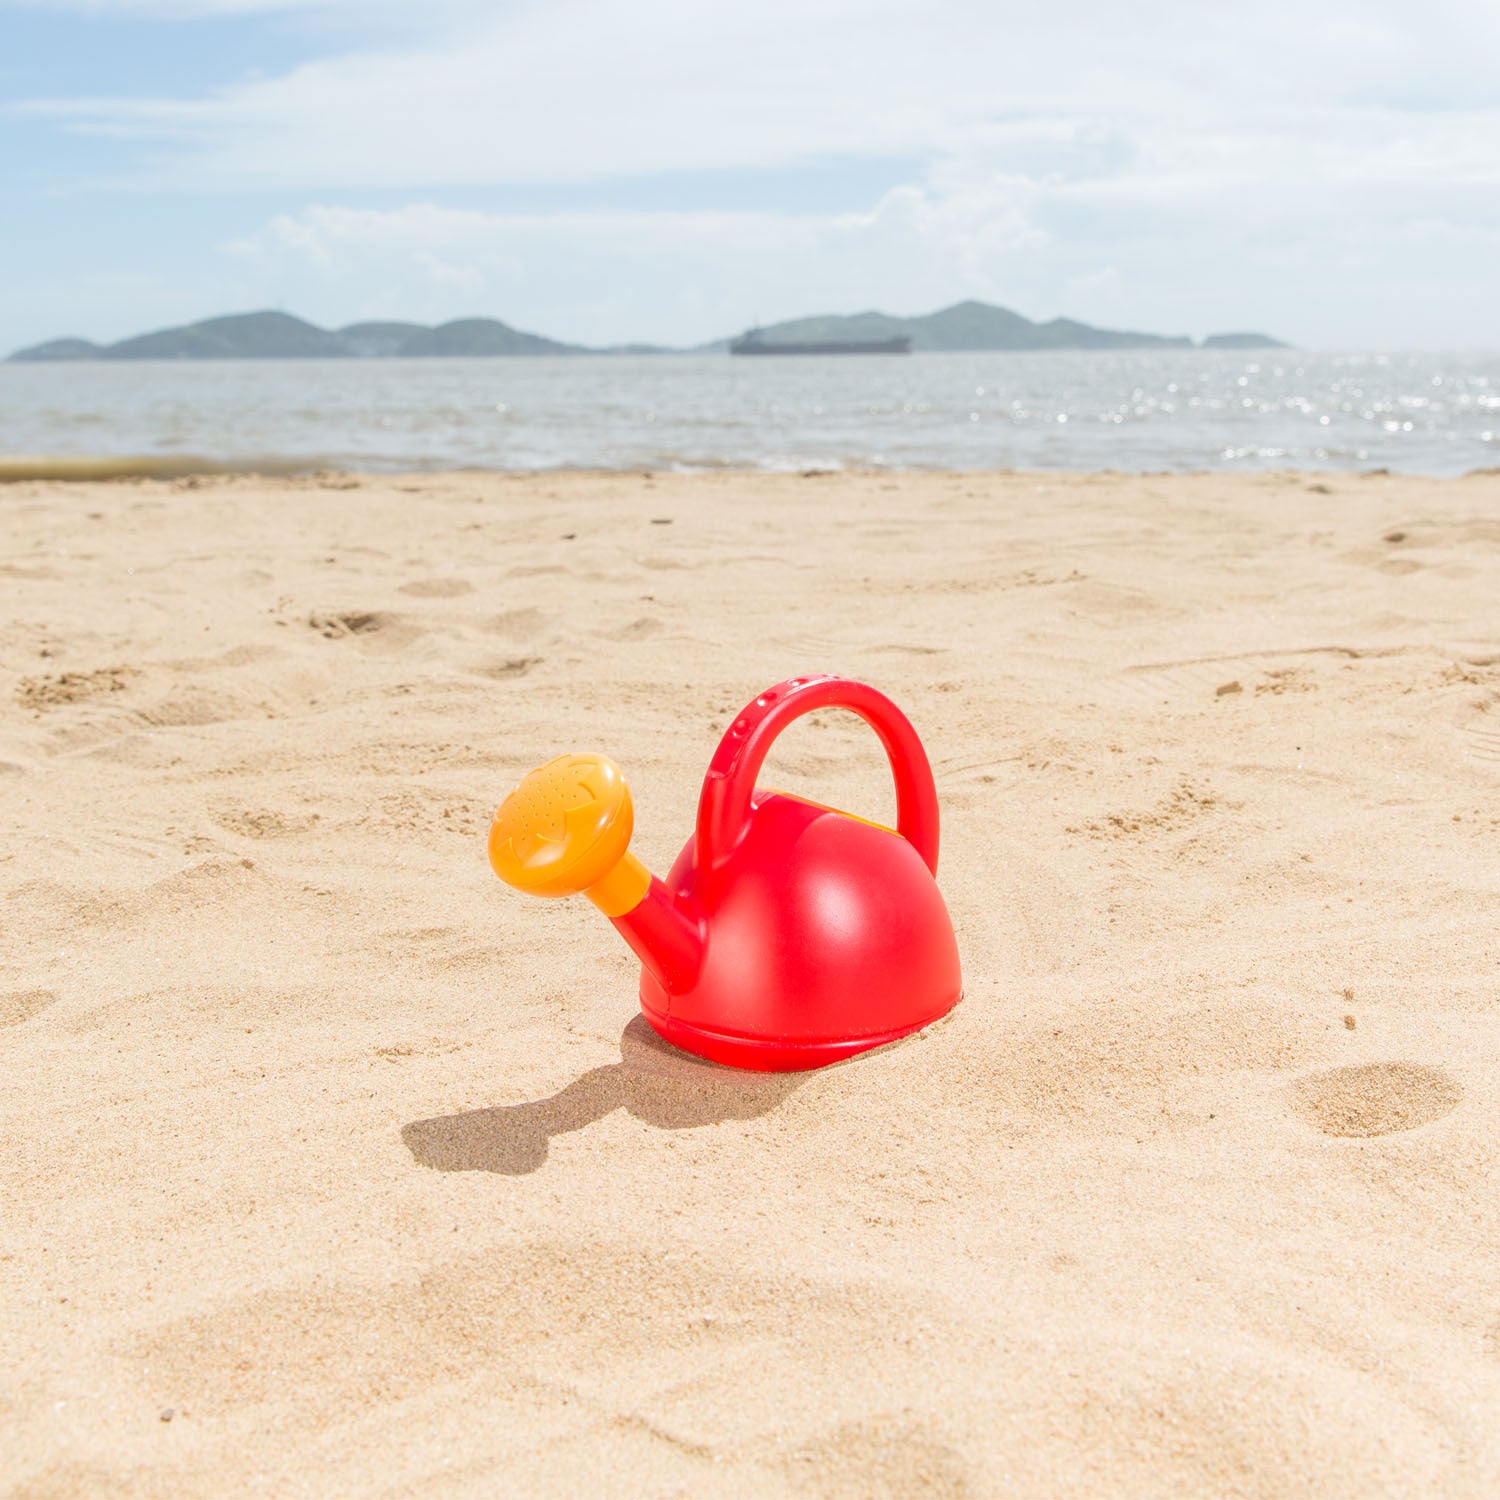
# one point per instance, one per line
(1137, 411)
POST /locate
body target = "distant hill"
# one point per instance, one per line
(276, 335)
(479, 336)
(975, 326)
(979, 326)
(60, 349)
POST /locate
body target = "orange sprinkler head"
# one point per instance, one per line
(567, 828)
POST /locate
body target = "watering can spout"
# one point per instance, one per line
(566, 828)
(666, 935)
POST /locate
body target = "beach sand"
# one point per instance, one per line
(328, 1165)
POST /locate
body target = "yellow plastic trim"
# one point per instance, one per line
(623, 888)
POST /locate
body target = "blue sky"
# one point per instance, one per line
(676, 169)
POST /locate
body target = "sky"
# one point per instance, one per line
(672, 171)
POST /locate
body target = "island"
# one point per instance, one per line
(965, 327)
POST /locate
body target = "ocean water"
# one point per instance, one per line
(1139, 411)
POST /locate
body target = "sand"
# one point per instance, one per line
(328, 1165)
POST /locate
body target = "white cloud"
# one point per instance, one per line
(198, 10)
(1297, 163)
(1196, 245)
(587, 277)
(585, 89)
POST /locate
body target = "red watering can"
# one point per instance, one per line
(788, 934)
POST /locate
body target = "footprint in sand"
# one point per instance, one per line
(50, 691)
(516, 666)
(353, 622)
(386, 632)
(875, 1460)
(1481, 745)
(526, 624)
(263, 823)
(22, 1005)
(1397, 565)
(1375, 1098)
(437, 588)
(642, 629)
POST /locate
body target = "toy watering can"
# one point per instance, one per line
(788, 934)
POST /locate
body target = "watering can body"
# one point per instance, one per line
(825, 935)
(787, 935)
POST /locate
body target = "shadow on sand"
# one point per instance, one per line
(654, 1081)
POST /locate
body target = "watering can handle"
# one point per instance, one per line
(724, 808)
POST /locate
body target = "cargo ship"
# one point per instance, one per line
(755, 342)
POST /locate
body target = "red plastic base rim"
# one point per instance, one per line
(767, 1055)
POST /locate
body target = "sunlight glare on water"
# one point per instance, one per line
(1132, 411)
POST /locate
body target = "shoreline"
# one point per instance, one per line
(104, 468)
